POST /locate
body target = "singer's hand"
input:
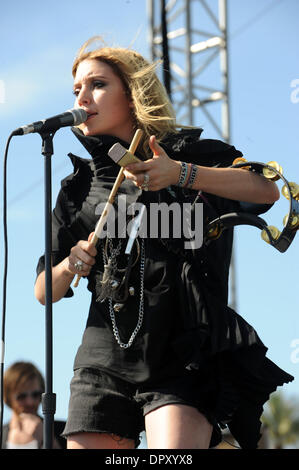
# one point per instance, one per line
(162, 170)
(84, 251)
(64, 272)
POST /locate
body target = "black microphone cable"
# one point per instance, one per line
(4, 281)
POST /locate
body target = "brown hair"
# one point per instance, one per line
(16, 376)
(153, 111)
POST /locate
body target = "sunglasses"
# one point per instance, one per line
(36, 394)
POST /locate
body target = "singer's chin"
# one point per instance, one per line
(88, 132)
(84, 129)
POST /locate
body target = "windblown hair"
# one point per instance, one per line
(16, 376)
(153, 111)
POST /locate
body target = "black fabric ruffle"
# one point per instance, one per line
(242, 376)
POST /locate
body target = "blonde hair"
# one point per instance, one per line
(153, 111)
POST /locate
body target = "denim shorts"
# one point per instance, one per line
(103, 403)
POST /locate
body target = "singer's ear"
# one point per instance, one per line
(129, 96)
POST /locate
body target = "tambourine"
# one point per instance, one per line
(281, 240)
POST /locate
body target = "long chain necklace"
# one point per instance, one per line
(141, 300)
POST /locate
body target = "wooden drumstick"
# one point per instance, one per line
(107, 208)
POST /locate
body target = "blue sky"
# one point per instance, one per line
(38, 47)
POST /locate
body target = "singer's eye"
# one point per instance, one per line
(98, 84)
(93, 85)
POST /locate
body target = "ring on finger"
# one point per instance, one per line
(146, 179)
(79, 265)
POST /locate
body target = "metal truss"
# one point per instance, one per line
(197, 85)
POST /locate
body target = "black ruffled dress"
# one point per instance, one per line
(187, 322)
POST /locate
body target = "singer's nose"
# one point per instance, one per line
(84, 97)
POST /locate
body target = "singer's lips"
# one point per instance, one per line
(90, 115)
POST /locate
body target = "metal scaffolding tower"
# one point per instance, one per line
(197, 84)
(194, 81)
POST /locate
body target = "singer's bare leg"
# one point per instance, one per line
(94, 440)
(177, 427)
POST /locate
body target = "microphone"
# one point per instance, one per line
(72, 117)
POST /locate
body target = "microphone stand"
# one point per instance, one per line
(48, 398)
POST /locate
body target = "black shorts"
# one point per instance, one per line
(104, 403)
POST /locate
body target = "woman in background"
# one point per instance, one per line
(23, 388)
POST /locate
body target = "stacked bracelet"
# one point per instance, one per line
(183, 175)
(192, 176)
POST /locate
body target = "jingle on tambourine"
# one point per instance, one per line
(271, 175)
(294, 188)
(293, 220)
(275, 233)
(241, 160)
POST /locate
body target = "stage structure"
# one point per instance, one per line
(191, 39)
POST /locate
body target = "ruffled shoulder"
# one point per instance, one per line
(76, 185)
(82, 166)
(207, 152)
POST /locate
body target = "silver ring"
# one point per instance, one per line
(79, 265)
(144, 185)
(146, 179)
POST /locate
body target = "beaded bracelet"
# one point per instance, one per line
(192, 176)
(183, 174)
